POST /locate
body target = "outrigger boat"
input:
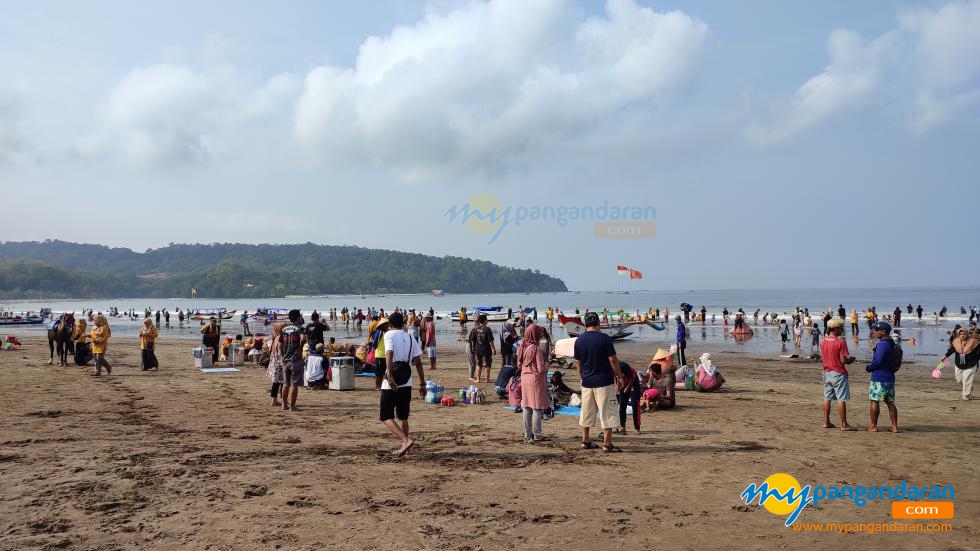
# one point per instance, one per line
(574, 326)
(260, 322)
(493, 313)
(24, 318)
(207, 313)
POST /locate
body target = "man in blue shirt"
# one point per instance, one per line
(681, 340)
(598, 367)
(882, 368)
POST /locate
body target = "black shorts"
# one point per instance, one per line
(396, 403)
(485, 360)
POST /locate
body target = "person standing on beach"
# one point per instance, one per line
(210, 336)
(854, 322)
(918, 312)
(482, 347)
(704, 312)
(835, 356)
(244, 320)
(965, 349)
(148, 337)
(429, 339)
(275, 370)
(598, 368)
(315, 329)
(291, 341)
(401, 350)
(681, 340)
(897, 315)
(841, 312)
(884, 363)
(533, 367)
(100, 343)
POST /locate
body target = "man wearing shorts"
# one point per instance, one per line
(291, 342)
(401, 349)
(835, 355)
(598, 367)
(429, 339)
(882, 369)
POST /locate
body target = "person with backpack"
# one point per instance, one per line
(401, 350)
(886, 360)
(482, 347)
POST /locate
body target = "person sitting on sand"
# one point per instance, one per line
(707, 378)
(661, 383)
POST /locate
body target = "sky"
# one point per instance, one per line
(779, 144)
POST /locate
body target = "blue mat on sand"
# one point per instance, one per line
(364, 374)
(220, 370)
(564, 410)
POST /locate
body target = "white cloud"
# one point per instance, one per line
(480, 87)
(846, 83)
(13, 145)
(947, 58)
(930, 65)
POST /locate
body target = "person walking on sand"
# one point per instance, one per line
(100, 343)
(598, 368)
(835, 356)
(534, 382)
(885, 361)
(401, 350)
(965, 350)
(291, 341)
(148, 337)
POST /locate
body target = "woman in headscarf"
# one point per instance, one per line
(83, 352)
(148, 338)
(534, 382)
(100, 343)
(707, 377)
(966, 354)
(275, 371)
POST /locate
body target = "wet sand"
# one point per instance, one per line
(180, 459)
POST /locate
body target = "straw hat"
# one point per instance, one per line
(660, 355)
(835, 323)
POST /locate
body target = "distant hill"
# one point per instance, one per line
(58, 269)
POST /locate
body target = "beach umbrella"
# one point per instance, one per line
(565, 348)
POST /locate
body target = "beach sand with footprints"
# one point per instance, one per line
(181, 459)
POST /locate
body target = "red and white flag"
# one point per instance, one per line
(622, 270)
(636, 274)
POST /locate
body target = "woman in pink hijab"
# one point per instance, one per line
(534, 382)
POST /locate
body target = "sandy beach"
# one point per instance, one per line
(180, 459)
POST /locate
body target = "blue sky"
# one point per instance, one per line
(783, 144)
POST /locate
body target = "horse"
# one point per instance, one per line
(60, 333)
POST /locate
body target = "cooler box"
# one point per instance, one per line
(236, 354)
(341, 373)
(202, 357)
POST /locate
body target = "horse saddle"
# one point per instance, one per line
(53, 324)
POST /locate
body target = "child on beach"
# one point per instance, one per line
(783, 331)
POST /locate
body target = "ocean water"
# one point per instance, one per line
(930, 337)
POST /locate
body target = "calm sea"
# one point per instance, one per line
(930, 337)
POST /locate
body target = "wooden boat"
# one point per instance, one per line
(207, 313)
(574, 326)
(22, 318)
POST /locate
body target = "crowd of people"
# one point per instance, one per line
(611, 389)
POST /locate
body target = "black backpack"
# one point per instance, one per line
(896, 357)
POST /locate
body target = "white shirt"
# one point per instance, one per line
(403, 348)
